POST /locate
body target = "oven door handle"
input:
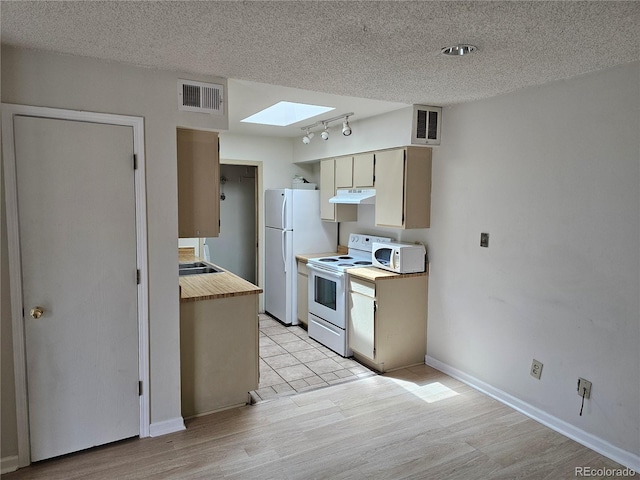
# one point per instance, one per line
(325, 271)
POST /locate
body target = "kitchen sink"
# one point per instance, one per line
(197, 268)
(192, 265)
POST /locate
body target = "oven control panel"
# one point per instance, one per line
(362, 241)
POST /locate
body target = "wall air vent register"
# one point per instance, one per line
(426, 125)
(200, 97)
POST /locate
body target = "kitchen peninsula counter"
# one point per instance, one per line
(218, 340)
(211, 286)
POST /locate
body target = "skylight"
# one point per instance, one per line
(285, 113)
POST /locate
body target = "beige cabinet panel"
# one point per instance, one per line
(327, 190)
(362, 324)
(330, 211)
(219, 361)
(198, 184)
(363, 165)
(390, 188)
(303, 293)
(403, 188)
(344, 172)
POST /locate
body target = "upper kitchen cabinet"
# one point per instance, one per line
(332, 212)
(344, 172)
(198, 184)
(363, 170)
(354, 171)
(403, 188)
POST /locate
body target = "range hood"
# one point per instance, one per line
(355, 196)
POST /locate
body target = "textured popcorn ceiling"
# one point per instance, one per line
(387, 51)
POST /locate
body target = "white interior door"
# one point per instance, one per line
(77, 218)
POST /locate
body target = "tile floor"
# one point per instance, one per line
(291, 362)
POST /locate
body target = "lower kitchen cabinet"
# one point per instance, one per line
(303, 293)
(388, 321)
(218, 353)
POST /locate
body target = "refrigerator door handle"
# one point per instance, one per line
(284, 209)
(284, 239)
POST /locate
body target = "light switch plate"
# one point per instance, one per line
(484, 239)
(584, 385)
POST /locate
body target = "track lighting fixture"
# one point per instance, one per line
(346, 128)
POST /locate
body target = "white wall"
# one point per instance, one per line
(275, 153)
(553, 175)
(9, 433)
(43, 79)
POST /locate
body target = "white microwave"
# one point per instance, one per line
(399, 257)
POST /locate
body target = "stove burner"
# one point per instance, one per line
(328, 260)
(345, 258)
(363, 262)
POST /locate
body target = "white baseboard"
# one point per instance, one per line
(167, 426)
(8, 464)
(623, 457)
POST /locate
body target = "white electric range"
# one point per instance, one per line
(327, 322)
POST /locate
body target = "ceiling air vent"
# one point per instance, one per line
(200, 97)
(426, 125)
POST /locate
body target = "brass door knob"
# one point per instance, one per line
(36, 312)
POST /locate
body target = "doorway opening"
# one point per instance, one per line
(236, 247)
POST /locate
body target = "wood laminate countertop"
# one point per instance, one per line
(372, 274)
(209, 286)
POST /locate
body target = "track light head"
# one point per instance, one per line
(325, 132)
(307, 138)
(346, 129)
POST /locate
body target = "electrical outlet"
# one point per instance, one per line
(484, 239)
(536, 369)
(584, 386)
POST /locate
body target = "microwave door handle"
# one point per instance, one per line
(392, 264)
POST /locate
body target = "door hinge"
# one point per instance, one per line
(138, 277)
(140, 388)
(219, 224)
(135, 161)
(375, 307)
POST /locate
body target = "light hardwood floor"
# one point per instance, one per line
(415, 423)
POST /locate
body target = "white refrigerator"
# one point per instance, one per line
(292, 227)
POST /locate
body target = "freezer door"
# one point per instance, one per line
(278, 207)
(277, 274)
(312, 234)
